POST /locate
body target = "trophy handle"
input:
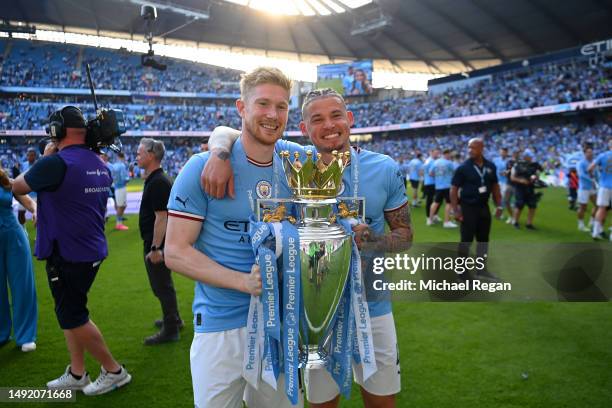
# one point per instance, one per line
(267, 206)
(355, 204)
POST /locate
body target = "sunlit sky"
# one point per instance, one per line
(297, 69)
(303, 7)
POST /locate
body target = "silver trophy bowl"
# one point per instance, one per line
(325, 256)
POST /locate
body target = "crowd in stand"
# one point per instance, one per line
(31, 64)
(37, 65)
(543, 86)
(552, 145)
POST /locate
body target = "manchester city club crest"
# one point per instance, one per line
(264, 189)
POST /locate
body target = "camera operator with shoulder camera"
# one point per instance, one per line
(73, 185)
(524, 176)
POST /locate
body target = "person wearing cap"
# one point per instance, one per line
(524, 174)
(475, 180)
(73, 184)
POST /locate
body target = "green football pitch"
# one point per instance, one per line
(452, 354)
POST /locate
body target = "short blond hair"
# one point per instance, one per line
(263, 75)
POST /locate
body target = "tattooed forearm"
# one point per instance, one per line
(401, 234)
(222, 154)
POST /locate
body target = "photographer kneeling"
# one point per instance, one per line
(524, 177)
(73, 185)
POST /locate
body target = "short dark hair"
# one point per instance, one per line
(319, 94)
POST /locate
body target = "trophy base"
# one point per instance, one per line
(315, 358)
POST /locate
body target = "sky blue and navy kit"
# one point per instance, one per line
(443, 170)
(16, 274)
(224, 236)
(415, 168)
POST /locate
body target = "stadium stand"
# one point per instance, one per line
(31, 64)
(525, 87)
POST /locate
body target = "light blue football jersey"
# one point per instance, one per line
(428, 179)
(415, 166)
(604, 164)
(381, 183)
(500, 165)
(585, 180)
(443, 170)
(120, 174)
(224, 236)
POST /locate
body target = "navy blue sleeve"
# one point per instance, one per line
(46, 174)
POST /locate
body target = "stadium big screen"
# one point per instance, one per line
(349, 78)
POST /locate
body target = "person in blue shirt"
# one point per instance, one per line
(120, 179)
(586, 188)
(603, 163)
(501, 164)
(327, 122)
(347, 80)
(415, 174)
(207, 239)
(442, 170)
(111, 194)
(429, 182)
(16, 272)
(31, 157)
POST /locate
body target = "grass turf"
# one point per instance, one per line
(452, 354)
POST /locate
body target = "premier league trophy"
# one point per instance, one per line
(324, 247)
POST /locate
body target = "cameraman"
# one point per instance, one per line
(524, 175)
(73, 184)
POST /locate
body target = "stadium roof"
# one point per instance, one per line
(415, 35)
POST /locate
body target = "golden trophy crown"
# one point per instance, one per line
(315, 180)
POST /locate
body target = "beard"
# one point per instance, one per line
(264, 138)
(341, 143)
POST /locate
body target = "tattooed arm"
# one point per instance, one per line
(397, 240)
